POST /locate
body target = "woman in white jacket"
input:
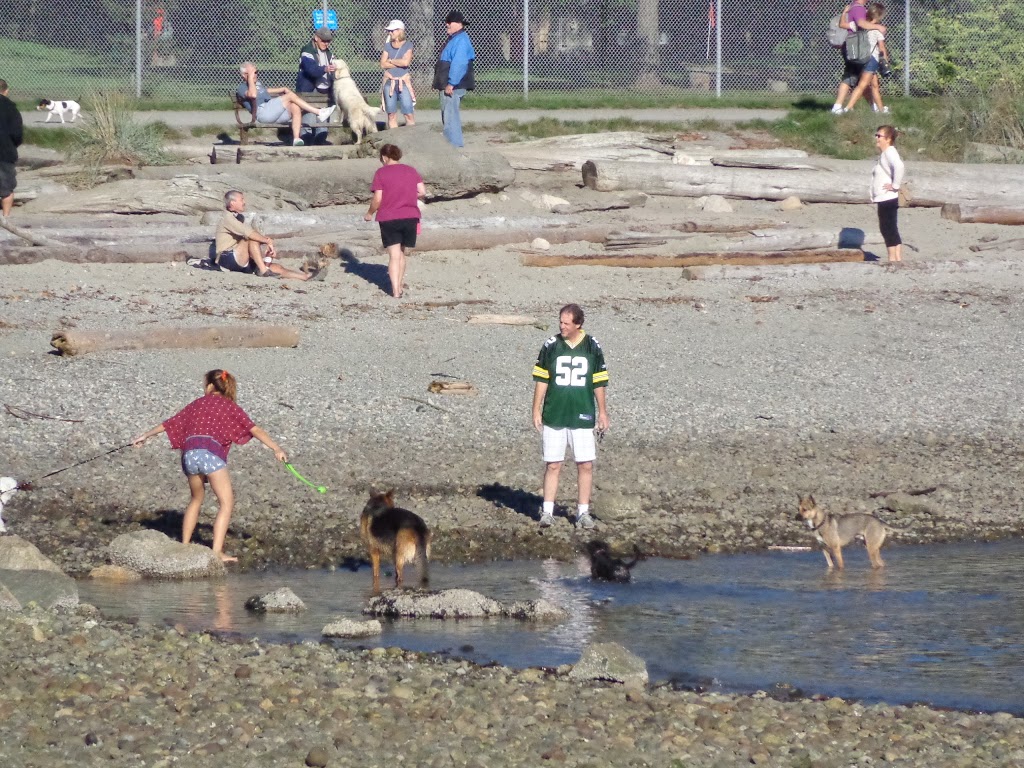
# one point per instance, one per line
(886, 179)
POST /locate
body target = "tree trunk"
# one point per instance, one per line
(220, 337)
(836, 181)
(420, 32)
(647, 28)
(748, 258)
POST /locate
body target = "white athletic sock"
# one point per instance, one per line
(582, 509)
(549, 507)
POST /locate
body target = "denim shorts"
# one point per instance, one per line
(400, 99)
(200, 461)
(873, 65)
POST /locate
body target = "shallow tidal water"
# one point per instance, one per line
(942, 624)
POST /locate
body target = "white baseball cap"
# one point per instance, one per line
(395, 24)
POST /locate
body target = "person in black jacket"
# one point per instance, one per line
(10, 140)
(316, 73)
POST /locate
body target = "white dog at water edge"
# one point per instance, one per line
(8, 487)
(361, 117)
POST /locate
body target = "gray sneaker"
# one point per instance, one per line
(547, 520)
(585, 521)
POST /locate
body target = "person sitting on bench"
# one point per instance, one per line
(276, 105)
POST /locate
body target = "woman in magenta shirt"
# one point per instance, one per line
(396, 189)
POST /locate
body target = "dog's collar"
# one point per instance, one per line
(818, 526)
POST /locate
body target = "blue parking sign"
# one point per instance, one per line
(318, 19)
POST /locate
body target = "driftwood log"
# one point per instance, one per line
(835, 181)
(167, 190)
(74, 342)
(482, 239)
(35, 239)
(262, 153)
(983, 214)
(748, 258)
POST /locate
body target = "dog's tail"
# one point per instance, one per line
(637, 557)
(887, 524)
(423, 555)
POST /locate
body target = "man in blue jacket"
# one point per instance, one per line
(316, 73)
(453, 75)
(10, 140)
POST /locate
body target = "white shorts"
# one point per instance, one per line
(584, 447)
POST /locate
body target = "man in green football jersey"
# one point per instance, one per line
(570, 379)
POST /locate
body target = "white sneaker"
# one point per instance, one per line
(298, 143)
(547, 520)
(585, 521)
(885, 110)
(325, 113)
(837, 109)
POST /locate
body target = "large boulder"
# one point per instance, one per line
(16, 554)
(612, 662)
(455, 604)
(155, 556)
(49, 590)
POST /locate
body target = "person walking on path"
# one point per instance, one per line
(886, 179)
(453, 75)
(204, 431)
(869, 77)
(569, 380)
(11, 129)
(397, 189)
(855, 19)
(396, 88)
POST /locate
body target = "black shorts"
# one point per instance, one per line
(226, 260)
(851, 73)
(8, 179)
(399, 232)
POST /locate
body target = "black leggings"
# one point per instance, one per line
(887, 210)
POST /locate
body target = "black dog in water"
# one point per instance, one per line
(606, 567)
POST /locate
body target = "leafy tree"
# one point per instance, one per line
(966, 43)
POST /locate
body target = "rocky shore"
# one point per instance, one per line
(82, 691)
(876, 388)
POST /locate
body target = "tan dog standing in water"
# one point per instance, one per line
(836, 531)
(392, 531)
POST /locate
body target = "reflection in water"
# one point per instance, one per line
(942, 624)
(576, 630)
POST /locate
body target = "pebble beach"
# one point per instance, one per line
(888, 389)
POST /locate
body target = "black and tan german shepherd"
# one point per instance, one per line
(394, 532)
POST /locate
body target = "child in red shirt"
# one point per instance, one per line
(204, 431)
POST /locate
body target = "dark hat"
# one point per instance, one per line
(456, 17)
(324, 34)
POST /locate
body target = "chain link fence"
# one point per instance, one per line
(189, 50)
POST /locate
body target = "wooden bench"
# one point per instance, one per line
(245, 117)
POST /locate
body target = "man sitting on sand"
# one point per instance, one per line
(240, 247)
(276, 105)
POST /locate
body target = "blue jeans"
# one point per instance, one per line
(450, 117)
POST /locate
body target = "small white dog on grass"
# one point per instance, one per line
(8, 487)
